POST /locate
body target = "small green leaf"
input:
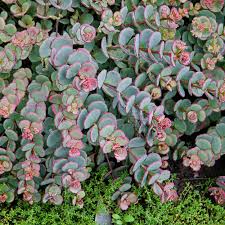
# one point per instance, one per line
(91, 118)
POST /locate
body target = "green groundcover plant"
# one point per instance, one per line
(132, 84)
(193, 208)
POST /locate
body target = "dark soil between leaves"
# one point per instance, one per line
(185, 174)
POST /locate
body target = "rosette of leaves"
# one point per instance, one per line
(78, 199)
(210, 146)
(74, 66)
(8, 60)
(203, 27)
(163, 147)
(6, 160)
(20, 7)
(212, 5)
(53, 195)
(192, 112)
(199, 83)
(6, 30)
(25, 40)
(209, 61)
(215, 45)
(29, 191)
(6, 193)
(219, 192)
(82, 34)
(14, 92)
(110, 21)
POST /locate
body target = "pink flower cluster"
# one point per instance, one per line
(86, 80)
(126, 200)
(72, 140)
(169, 193)
(180, 53)
(3, 198)
(29, 37)
(87, 32)
(120, 153)
(72, 180)
(31, 170)
(162, 124)
(75, 147)
(29, 133)
(193, 161)
(117, 144)
(218, 194)
(173, 15)
(28, 193)
(192, 116)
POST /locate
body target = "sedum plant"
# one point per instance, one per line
(135, 85)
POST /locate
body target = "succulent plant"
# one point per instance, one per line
(6, 159)
(15, 92)
(6, 31)
(203, 27)
(97, 5)
(74, 66)
(53, 195)
(90, 83)
(126, 200)
(209, 147)
(213, 5)
(219, 192)
(6, 194)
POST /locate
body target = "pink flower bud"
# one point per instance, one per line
(27, 134)
(185, 58)
(74, 152)
(172, 25)
(75, 186)
(88, 33)
(161, 135)
(117, 19)
(89, 84)
(165, 123)
(179, 45)
(120, 153)
(3, 198)
(175, 15)
(194, 162)
(164, 11)
(192, 117)
(4, 111)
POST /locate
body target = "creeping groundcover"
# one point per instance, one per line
(136, 87)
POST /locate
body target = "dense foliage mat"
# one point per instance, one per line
(194, 208)
(138, 85)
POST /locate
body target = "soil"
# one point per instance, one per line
(184, 174)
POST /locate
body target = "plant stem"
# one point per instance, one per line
(110, 166)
